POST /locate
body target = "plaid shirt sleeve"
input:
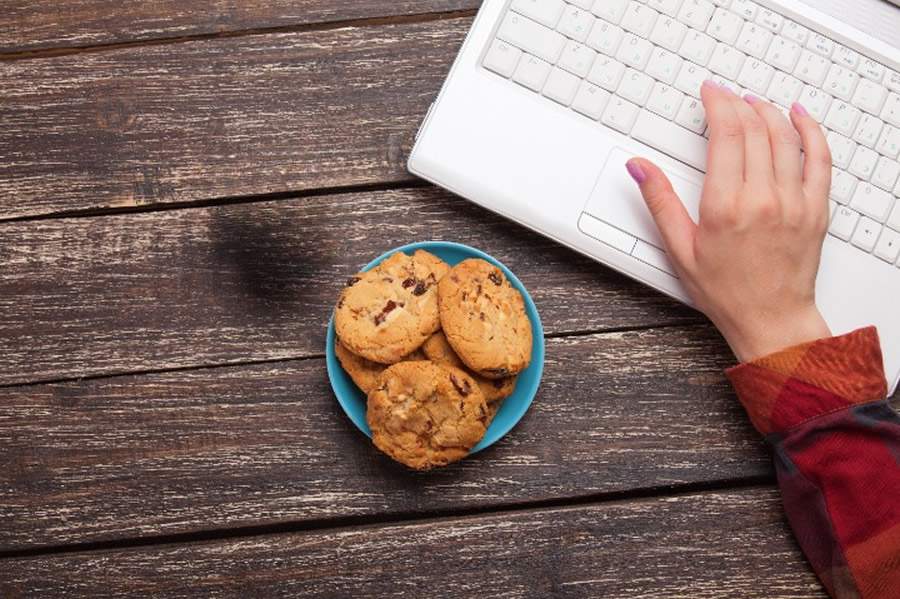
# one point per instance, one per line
(836, 445)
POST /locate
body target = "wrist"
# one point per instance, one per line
(760, 336)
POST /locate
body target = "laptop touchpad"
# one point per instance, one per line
(617, 200)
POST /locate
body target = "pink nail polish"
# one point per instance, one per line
(636, 172)
(798, 108)
(750, 99)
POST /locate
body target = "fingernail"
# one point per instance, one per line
(710, 83)
(798, 109)
(750, 99)
(636, 172)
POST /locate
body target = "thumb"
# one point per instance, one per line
(671, 217)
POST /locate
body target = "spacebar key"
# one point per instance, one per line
(671, 139)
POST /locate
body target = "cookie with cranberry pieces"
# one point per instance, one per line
(484, 319)
(364, 372)
(386, 313)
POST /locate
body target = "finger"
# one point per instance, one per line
(758, 168)
(817, 163)
(725, 162)
(671, 217)
(784, 144)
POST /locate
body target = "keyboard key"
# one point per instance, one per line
(727, 61)
(842, 118)
(502, 58)
(843, 184)
(665, 101)
(784, 89)
(842, 149)
(866, 234)
(620, 114)
(745, 8)
(585, 4)
(654, 257)
(863, 163)
(531, 37)
(546, 12)
(821, 45)
(532, 72)
(664, 65)
(692, 115)
(668, 33)
(846, 57)
(868, 130)
(725, 26)
(891, 111)
(770, 20)
(815, 101)
(756, 76)
(894, 220)
(634, 51)
(605, 38)
(887, 172)
(669, 7)
(697, 47)
(892, 81)
(610, 11)
(843, 223)
(635, 87)
(871, 201)
(577, 58)
(690, 78)
(841, 82)
(754, 40)
(889, 142)
(639, 19)
(696, 14)
(783, 54)
(812, 68)
(561, 86)
(871, 70)
(869, 96)
(606, 73)
(576, 23)
(671, 139)
(795, 32)
(590, 100)
(888, 246)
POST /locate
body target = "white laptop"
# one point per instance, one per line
(548, 99)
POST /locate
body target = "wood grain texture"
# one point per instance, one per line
(112, 294)
(703, 546)
(40, 24)
(218, 118)
(259, 445)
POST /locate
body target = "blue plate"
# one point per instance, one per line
(514, 407)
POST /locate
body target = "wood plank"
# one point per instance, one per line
(258, 445)
(727, 544)
(41, 24)
(88, 296)
(218, 118)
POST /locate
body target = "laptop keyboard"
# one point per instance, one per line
(637, 67)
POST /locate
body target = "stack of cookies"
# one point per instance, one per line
(436, 350)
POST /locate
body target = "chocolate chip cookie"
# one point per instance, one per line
(424, 415)
(483, 317)
(386, 313)
(439, 351)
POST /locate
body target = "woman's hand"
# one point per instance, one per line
(750, 264)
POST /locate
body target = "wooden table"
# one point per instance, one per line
(182, 191)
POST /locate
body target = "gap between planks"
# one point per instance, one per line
(298, 28)
(372, 521)
(317, 356)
